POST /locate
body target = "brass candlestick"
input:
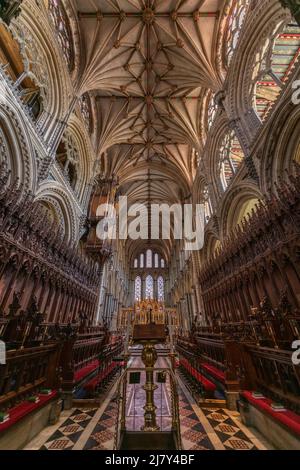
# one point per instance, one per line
(149, 358)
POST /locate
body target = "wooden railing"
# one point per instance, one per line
(27, 371)
(276, 375)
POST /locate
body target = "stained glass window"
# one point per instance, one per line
(161, 289)
(156, 265)
(211, 112)
(63, 30)
(231, 157)
(142, 260)
(136, 263)
(274, 63)
(162, 263)
(236, 20)
(149, 259)
(149, 287)
(138, 289)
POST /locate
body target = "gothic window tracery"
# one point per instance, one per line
(230, 158)
(63, 30)
(161, 289)
(85, 109)
(149, 287)
(142, 260)
(138, 289)
(25, 67)
(274, 63)
(211, 112)
(149, 259)
(235, 23)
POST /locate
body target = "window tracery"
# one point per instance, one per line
(274, 63)
(149, 287)
(85, 109)
(149, 259)
(161, 289)
(138, 289)
(230, 158)
(63, 29)
(211, 112)
(234, 26)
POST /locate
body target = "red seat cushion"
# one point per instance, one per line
(24, 408)
(287, 418)
(216, 373)
(86, 370)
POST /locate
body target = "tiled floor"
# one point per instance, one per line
(201, 429)
(70, 431)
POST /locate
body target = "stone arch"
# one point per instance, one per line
(86, 155)
(211, 244)
(282, 147)
(212, 155)
(237, 204)
(53, 195)
(33, 32)
(261, 22)
(15, 147)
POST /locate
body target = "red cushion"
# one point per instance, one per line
(24, 408)
(207, 384)
(86, 370)
(92, 384)
(288, 418)
(218, 374)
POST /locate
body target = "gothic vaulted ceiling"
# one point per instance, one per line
(149, 65)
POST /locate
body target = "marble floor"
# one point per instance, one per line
(201, 429)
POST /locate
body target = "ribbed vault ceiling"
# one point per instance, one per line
(149, 64)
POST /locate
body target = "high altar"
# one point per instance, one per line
(148, 311)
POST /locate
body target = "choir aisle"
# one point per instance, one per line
(95, 428)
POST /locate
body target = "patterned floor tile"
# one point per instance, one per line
(232, 437)
(70, 430)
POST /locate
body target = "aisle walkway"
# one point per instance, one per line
(201, 429)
